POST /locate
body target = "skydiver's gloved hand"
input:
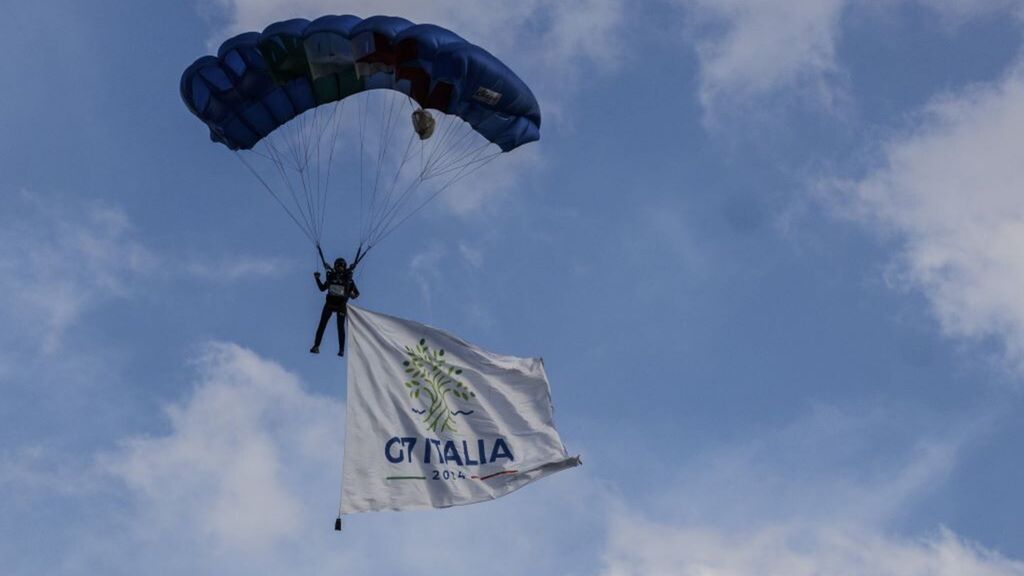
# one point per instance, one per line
(423, 123)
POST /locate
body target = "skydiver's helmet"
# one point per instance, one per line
(340, 264)
(423, 123)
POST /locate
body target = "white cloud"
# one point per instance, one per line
(639, 547)
(246, 478)
(234, 268)
(425, 268)
(750, 50)
(488, 190)
(34, 470)
(815, 497)
(473, 256)
(558, 34)
(960, 10)
(62, 257)
(238, 450)
(828, 467)
(753, 48)
(950, 192)
(59, 258)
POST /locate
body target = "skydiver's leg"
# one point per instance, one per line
(341, 333)
(325, 316)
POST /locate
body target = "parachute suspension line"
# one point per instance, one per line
(439, 142)
(337, 123)
(311, 188)
(297, 152)
(320, 252)
(362, 159)
(274, 195)
(387, 134)
(391, 228)
(393, 192)
(389, 204)
(300, 150)
(457, 152)
(465, 160)
(314, 141)
(314, 154)
(382, 143)
(278, 161)
(443, 149)
(323, 185)
(303, 163)
(394, 206)
(372, 193)
(452, 153)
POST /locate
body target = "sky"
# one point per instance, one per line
(768, 250)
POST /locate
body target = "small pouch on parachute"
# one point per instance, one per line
(423, 123)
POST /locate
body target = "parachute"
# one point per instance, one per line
(350, 98)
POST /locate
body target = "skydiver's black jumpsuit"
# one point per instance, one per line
(339, 288)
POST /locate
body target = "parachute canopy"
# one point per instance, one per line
(277, 98)
(259, 81)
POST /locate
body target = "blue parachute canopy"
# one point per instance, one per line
(259, 81)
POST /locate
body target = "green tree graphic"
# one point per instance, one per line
(433, 379)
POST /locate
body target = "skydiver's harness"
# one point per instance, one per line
(338, 286)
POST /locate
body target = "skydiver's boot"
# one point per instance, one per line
(314, 350)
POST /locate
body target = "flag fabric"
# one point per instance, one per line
(434, 421)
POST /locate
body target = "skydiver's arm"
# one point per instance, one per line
(353, 292)
(319, 283)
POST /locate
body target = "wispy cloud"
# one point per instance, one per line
(244, 476)
(425, 270)
(814, 497)
(61, 257)
(751, 51)
(230, 468)
(640, 547)
(948, 191)
(549, 36)
(827, 467)
(473, 256)
(227, 269)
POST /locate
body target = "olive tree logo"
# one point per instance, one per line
(432, 379)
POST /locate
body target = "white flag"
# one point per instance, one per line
(434, 421)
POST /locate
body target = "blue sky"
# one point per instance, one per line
(769, 251)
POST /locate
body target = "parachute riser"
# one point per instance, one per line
(361, 253)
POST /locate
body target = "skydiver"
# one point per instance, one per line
(339, 287)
